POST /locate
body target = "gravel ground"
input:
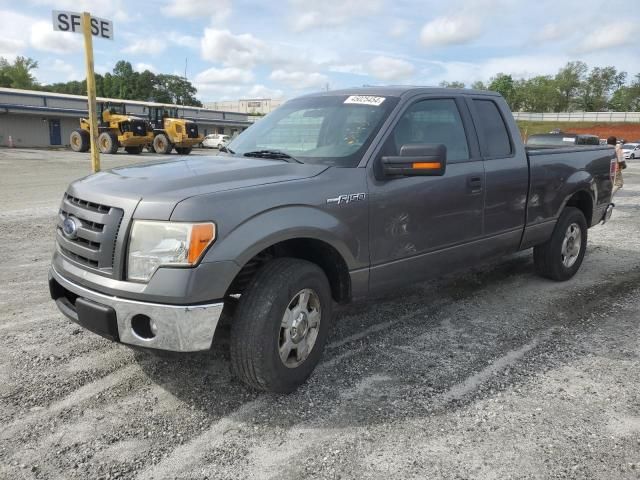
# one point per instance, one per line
(492, 374)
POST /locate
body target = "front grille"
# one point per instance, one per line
(192, 130)
(137, 127)
(94, 242)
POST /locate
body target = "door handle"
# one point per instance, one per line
(474, 184)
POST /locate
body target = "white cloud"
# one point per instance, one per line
(218, 9)
(387, 68)
(242, 50)
(327, 13)
(44, 38)
(399, 28)
(300, 80)
(352, 68)
(450, 30)
(146, 46)
(224, 76)
(141, 67)
(184, 40)
(260, 91)
(609, 36)
(551, 32)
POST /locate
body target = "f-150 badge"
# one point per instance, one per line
(347, 198)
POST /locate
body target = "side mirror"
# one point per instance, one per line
(425, 159)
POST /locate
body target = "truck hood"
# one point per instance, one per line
(159, 185)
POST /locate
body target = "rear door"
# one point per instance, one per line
(506, 171)
(420, 226)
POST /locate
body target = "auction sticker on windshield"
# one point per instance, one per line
(365, 100)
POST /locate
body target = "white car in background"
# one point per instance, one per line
(215, 140)
(631, 150)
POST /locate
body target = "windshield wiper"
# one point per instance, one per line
(275, 154)
(222, 148)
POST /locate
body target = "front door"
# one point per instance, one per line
(420, 226)
(55, 138)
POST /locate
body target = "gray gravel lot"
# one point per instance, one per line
(495, 373)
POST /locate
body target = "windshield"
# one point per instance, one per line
(629, 146)
(331, 130)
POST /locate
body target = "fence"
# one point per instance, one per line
(608, 117)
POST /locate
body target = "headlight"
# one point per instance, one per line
(155, 244)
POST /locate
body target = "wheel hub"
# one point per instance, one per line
(299, 328)
(571, 245)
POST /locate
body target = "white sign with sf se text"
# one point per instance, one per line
(72, 22)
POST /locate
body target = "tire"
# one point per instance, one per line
(133, 150)
(80, 141)
(108, 143)
(161, 144)
(257, 332)
(184, 150)
(561, 256)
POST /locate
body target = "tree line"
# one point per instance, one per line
(574, 88)
(123, 82)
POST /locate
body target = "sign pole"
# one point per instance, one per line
(91, 92)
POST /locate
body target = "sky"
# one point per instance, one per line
(250, 49)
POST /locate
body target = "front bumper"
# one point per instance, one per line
(180, 328)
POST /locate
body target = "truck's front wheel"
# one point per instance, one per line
(561, 256)
(280, 325)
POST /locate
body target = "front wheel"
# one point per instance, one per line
(79, 140)
(280, 325)
(108, 143)
(161, 144)
(561, 256)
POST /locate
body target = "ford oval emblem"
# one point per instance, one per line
(70, 228)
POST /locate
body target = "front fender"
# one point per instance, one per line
(286, 223)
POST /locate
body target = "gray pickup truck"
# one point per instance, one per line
(333, 197)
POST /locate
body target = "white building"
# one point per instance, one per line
(252, 106)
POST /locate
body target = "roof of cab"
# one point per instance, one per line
(401, 90)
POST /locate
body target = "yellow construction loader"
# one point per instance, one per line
(116, 129)
(169, 131)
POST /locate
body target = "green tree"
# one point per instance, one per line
(505, 86)
(18, 74)
(538, 94)
(175, 89)
(568, 82)
(479, 85)
(599, 86)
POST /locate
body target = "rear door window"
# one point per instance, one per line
(492, 130)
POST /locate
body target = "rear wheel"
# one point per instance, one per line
(80, 141)
(561, 256)
(184, 150)
(280, 325)
(161, 144)
(108, 142)
(133, 150)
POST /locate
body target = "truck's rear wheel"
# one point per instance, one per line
(161, 144)
(561, 256)
(133, 150)
(80, 141)
(280, 325)
(108, 142)
(184, 150)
